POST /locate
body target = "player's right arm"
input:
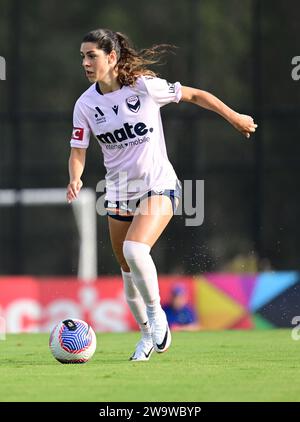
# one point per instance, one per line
(79, 143)
(76, 167)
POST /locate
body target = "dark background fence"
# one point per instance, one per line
(239, 50)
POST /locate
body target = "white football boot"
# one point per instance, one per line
(143, 350)
(160, 331)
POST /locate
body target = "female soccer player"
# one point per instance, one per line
(122, 110)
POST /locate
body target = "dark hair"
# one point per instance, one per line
(130, 63)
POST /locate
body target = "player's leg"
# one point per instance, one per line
(118, 230)
(154, 215)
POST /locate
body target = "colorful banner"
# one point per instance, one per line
(231, 301)
(220, 301)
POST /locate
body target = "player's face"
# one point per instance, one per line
(97, 64)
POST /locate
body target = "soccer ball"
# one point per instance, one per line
(72, 341)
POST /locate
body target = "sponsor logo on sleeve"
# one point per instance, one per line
(77, 133)
(171, 88)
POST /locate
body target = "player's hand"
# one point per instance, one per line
(73, 190)
(244, 124)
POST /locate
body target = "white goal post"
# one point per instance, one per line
(84, 209)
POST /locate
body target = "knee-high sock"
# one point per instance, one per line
(144, 274)
(135, 303)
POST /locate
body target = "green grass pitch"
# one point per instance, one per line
(262, 365)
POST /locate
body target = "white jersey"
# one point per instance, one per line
(128, 127)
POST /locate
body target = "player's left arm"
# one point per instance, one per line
(241, 122)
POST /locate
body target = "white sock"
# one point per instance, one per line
(144, 274)
(136, 303)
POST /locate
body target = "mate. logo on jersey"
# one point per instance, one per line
(124, 133)
(133, 103)
(77, 133)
